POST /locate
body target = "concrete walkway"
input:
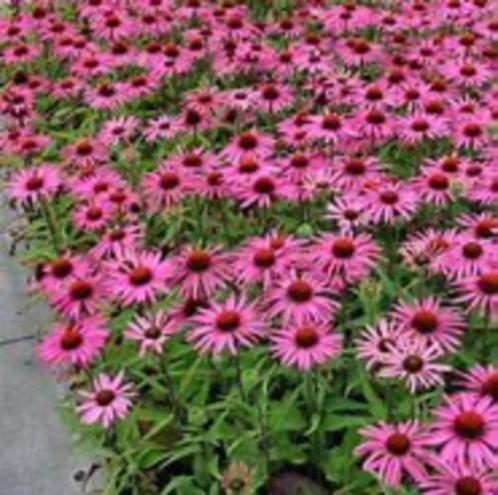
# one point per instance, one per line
(36, 456)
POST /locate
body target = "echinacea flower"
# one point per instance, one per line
(30, 185)
(459, 479)
(151, 331)
(306, 345)
(301, 297)
(415, 363)
(428, 320)
(481, 291)
(198, 272)
(481, 380)
(346, 255)
(77, 342)
(226, 326)
(136, 276)
(108, 401)
(392, 450)
(465, 430)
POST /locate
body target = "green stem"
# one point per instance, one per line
(238, 375)
(52, 225)
(173, 398)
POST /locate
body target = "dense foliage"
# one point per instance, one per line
(268, 231)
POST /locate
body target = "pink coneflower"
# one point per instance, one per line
(226, 326)
(347, 212)
(163, 127)
(415, 363)
(419, 126)
(30, 185)
(117, 240)
(118, 129)
(466, 430)
(356, 172)
(105, 96)
(468, 73)
(375, 343)
(259, 262)
(481, 291)
(471, 132)
(137, 277)
(272, 97)
(306, 345)
(198, 272)
(249, 143)
(466, 256)
(485, 191)
(261, 190)
(434, 187)
(79, 295)
(164, 188)
(92, 216)
(391, 450)
(77, 343)
(21, 53)
(329, 127)
(389, 202)
(374, 126)
(108, 400)
(151, 331)
(459, 479)
(481, 380)
(480, 225)
(301, 298)
(58, 271)
(430, 322)
(347, 256)
(86, 152)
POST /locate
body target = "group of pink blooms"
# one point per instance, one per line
(322, 96)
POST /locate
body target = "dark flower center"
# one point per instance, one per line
(264, 258)
(34, 183)
(485, 228)
(84, 148)
(469, 424)
(140, 275)
(300, 291)
(61, 268)
(425, 321)
(413, 364)
(306, 337)
(80, 290)
(343, 248)
(299, 160)
(198, 261)
(468, 485)
(169, 180)
(270, 93)
(264, 185)
(374, 94)
(398, 444)
(355, 166)
(351, 215)
(153, 333)
(106, 90)
(117, 235)
(490, 386)
(439, 182)
(104, 397)
(248, 141)
(472, 130)
(472, 250)
(94, 213)
(248, 165)
(420, 125)
(228, 321)
(331, 123)
(71, 338)
(193, 117)
(389, 197)
(192, 161)
(434, 108)
(450, 164)
(376, 118)
(488, 283)
(215, 178)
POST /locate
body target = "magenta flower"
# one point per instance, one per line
(465, 430)
(151, 331)
(108, 401)
(30, 185)
(481, 380)
(77, 343)
(391, 450)
(427, 320)
(306, 345)
(226, 326)
(137, 277)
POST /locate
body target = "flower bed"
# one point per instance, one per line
(268, 234)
